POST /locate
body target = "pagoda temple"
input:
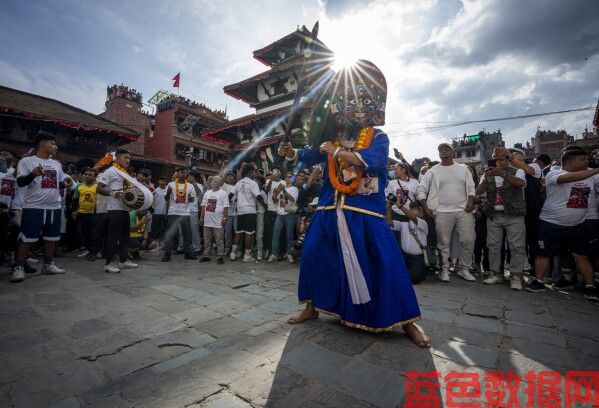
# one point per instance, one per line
(271, 94)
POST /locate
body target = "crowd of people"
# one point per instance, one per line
(517, 222)
(248, 214)
(523, 222)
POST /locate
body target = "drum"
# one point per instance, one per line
(133, 198)
(68, 182)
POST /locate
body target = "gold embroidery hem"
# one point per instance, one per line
(363, 327)
(350, 208)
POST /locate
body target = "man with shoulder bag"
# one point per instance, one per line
(504, 186)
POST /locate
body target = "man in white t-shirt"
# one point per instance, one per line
(8, 184)
(260, 214)
(282, 195)
(180, 196)
(563, 219)
(194, 208)
(504, 187)
(270, 215)
(229, 187)
(111, 183)
(247, 193)
(159, 215)
(41, 177)
(448, 190)
(215, 206)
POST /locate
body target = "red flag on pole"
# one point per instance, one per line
(176, 79)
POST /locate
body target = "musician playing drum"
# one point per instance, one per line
(112, 183)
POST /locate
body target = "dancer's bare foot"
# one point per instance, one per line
(308, 313)
(418, 337)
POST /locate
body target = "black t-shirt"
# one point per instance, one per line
(302, 198)
(533, 195)
(314, 191)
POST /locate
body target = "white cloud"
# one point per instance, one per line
(87, 93)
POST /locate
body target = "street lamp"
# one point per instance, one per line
(186, 127)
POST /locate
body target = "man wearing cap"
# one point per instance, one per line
(42, 178)
(504, 186)
(562, 219)
(446, 193)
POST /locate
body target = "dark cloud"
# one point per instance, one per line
(337, 8)
(551, 31)
(506, 58)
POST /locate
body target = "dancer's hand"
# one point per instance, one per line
(286, 150)
(38, 171)
(328, 148)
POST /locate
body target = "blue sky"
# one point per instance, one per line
(444, 60)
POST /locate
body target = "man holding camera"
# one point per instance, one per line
(504, 186)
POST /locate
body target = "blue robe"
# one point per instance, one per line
(323, 279)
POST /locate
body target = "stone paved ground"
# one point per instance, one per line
(186, 334)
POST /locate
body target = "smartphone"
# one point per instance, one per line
(492, 163)
(396, 152)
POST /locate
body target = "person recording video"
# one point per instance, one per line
(504, 186)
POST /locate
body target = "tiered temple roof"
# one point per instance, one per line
(270, 92)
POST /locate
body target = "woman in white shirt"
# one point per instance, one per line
(403, 187)
(283, 196)
(413, 234)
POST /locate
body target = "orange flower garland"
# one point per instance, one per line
(121, 168)
(181, 194)
(364, 139)
(126, 183)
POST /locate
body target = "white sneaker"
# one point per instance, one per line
(51, 269)
(443, 275)
(32, 260)
(127, 265)
(259, 256)
(290, 258)
(465, 274)
(111, 268)
(273, 258)
(83, 254)
(18, 274)
(516, 283)
(494, 279)
(248, 258)
(232, 256)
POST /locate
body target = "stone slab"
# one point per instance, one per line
(315, 362)
(467, 354)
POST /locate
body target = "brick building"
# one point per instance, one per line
(475, 149)
(550, 142)
(165, 141)
(178, 144)
(124, 106)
